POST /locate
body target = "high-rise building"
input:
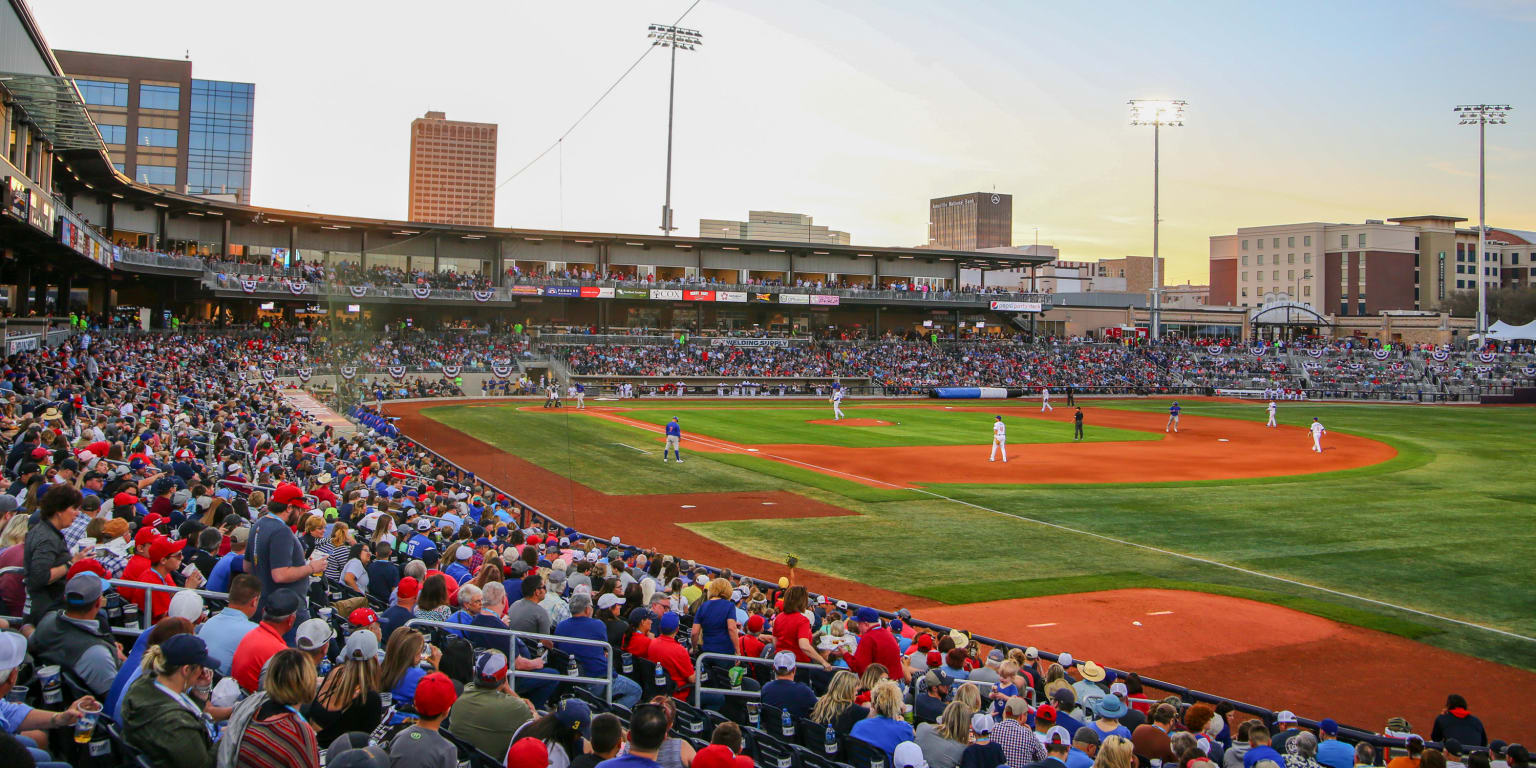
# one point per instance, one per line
(971, 222)
(453, 171)
(773, 225)
(165, 129)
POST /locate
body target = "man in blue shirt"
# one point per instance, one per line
(674, 439)
(783, 692)
(404, 608)
(647, 731)
(593, 659)
(223, 631)
(419, 542)
(457, 569)
(1173, 417)
(1330, 751)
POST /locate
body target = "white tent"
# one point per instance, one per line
(1502, 331)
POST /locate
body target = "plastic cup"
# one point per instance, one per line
(86, 725)
(17, 694)
(48, 679)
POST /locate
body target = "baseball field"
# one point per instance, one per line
(1228, 557)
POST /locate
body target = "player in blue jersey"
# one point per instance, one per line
(674, 438)
(1173, 417)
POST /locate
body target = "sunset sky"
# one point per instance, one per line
(858, 111)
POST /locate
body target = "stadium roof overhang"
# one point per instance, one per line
(1286, 313)
(52, 103)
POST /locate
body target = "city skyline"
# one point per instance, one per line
(1304, 113)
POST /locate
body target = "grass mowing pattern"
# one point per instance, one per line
(1444, 527)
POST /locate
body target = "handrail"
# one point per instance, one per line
(698, 688)
(145, 619)
(512, 672)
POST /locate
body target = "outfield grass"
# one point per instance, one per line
(907, 426)
(1444, 528)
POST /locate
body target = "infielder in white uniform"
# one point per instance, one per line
(999, 440)
(837, 402)
(1045, 400)
(1318, 430)
(1271, 415)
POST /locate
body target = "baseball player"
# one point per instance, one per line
(837, 401)
(1271, 415)
(581, 396)
(1045, 400)
(1173, 417)
(674, 438)
(999, 440)
(1318, 430)
(1077, 425)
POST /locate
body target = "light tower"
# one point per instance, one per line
(1156, 113)
(673, 37)
(1482, 115)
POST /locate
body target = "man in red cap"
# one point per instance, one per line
(138, 565)
(421, 744)
(365, 618)
(404, 608)
(166, 557)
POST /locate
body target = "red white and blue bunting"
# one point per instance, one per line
(483, 296)
(1529, 370)
(357, 291)
(297, 287)
(348, 372)
(268, 375)
(1315, 352)
(249, 286)
(397, 372)
(1487, 357)
(1382, 354)
(305, 374)
(1257, 351)
(1440, 355)
(421, 291)
(452, 371)
(501, 371)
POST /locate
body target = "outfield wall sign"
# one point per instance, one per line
(749, 342)
(794, 298)
(826, 301)
(738, 297)
(631, 293)
(666, 294)
(1015, 306)
(566, 291)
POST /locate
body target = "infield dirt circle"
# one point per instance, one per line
(1249, 650)
(851, 422)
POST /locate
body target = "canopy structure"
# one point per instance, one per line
(1502, 331)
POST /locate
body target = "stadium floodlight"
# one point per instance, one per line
(1156, 113)
(674, 37)
(1482, 116)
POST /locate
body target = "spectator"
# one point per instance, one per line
(1454, 723)
(275, 556)
(714, 622)
(836, 708)
(724, 750)
(267, 729)
(786, 694)
(76, 635)
(1496, 751)
(202, 555)
(1065, 700)
(563, 732)
(943, 743)
(607, 738)
(1518, 756)
(792, 631)
(355, 573)
(1012, 733)
(876, 646)
(1058, 745)
(260, 644)
(48, 557)
(313, 637)
(982, 752)
(1286, 721)
(527, 615)
(930, 702)
(404, 657)
(17, 720)
(383, 574)
(1109, 710)
(1233, 757)
(885, 727)
(1259, 749)
(1302, 751)
(1085, 744)
(232, 563)
(433, 602)
(673, 658)
(489, 712)
(1365, 756)
(349, 698)
(1413, 745)
(160, 719)
(647, 734)
(1117, 752)
(1330, 751)
(594, 660)
(528, 753)
(224, 630)
(420, 745)
(1151, 740)
(165, 557)
(404, 608)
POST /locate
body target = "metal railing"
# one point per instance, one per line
(145, 618)
(514, 634)
(700, 688)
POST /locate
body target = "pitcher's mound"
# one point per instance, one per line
(852, 422)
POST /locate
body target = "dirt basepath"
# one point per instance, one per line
(651, 520)
(1262, 654)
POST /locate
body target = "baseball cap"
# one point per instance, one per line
(366, 756)
(937, 678)
(187, 605)
(182, 650)
(408, 587)
(463, 553)
(1057, 735)
(1045, 712)
(1285, 716)
(1452, 746)
(86, 565)
(714, 756)
(13, 651)
(608, 600)
(81, 589)
(1329, 726)
(1119, 689)
(642, 614)
(313, 634)
(1016, 706)
(8, 503)
(491, 666)
(909, 755)
(163, 548)
(1065, 698)
(423, 525)
(996, 655)
(1064, 659)
(240, 535)
(1497, 747)
(924, 642)
(288, 493)
(866, 615)
(124, 499)
(667, 623)
(783, 661)
(981, 724)
(434, 695)
(281, 604)
(361, 646)
(528, 752)
(574, 714)
(362, 617)
(115, 528)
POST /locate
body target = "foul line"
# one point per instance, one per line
(632, 448)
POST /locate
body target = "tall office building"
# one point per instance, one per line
(773, 225)
(165, 129)
(453, 171)
(971, 222)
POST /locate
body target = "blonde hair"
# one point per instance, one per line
(313, 523)
(872, 676)
(290, 677)
(840, 694)
(970, 693)
(1008, 669)
(349, 683)
(885, 700)
(1115, 752)
(719, 589)
(338, 533)
(15, 530)
(955, 723)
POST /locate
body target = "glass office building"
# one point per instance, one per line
(219, 147)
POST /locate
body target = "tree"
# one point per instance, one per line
(1516, 306)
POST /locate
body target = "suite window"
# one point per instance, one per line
(1343, 241)
(160, 97)
(1290, 242)
(1276, 242)
(1306, 240)
(1245, 245)
(1306, 258)
(156, 174)
(157, 137)
(113, 134)
(1514, 259)
(1245, 277)
(1290, 258)
(1362, 239)
(1306, 290)
(1259, 260)
(103, 94)
(1290, 274)
(1245, 261)
(1275, 275)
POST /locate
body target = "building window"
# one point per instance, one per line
(103, 94)
(1343, 241)
(157, 137)
(1245, 295)
(1245, 260)
(1306, 290)
(1290, 258)
(1362, 239)
(164, 175)
(1259, 260)
(160, 97)
(1290, 274)
(1514, 259)
(1276, 242)
(119, 167)
(1290, 242)
(1245, 245)
(1306, 240)
(113, 134)
(1360, 278)
(1306, 258)
(1245, 277)
(1275, 275)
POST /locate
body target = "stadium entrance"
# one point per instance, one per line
(1285, 319)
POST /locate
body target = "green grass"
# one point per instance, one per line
(1445, 527)
(908, 426)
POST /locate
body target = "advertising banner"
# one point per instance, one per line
(18, 198)
(596, 293)
(794, 298)
(735, 296)
(666, 294)
(749, 342)
(567, 291)
(525, 290)
(1015, 306)
(699, 295)
(760, 298)
(631, 293)
(826, 301)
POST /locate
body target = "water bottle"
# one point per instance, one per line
(829, 748)
(787, 724)
(754, 713)
(661, 677)
(570, 665)
(627, 663)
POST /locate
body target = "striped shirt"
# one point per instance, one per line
(281, 741)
